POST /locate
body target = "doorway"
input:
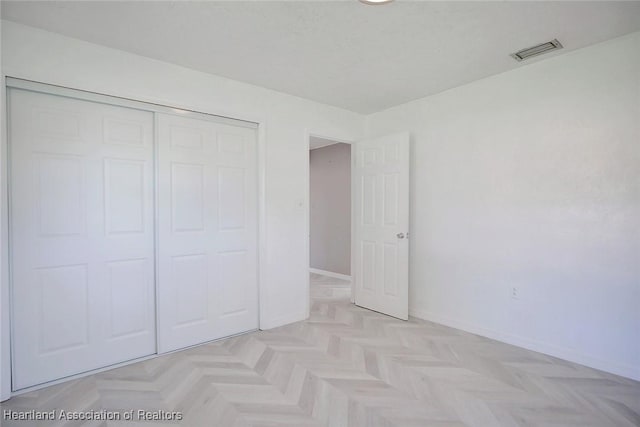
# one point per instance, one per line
(330, 229)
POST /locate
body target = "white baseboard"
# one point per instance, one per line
(624, 370)
(283, 320)
(330, 274)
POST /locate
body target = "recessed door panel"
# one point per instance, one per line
(57, 123)
(390, 268)
(125, 189)
(192, 292)
(123, 131)
(60, 194)
(187, 197)
(187, 137)
(232, 144)
(231, 198)
(368, 265)
(129, 297)
(390, 207)
(234, 284)
(64, 305)
(368, 206)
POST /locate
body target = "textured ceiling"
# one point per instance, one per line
(343, 53)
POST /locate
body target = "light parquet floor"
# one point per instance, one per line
(346, 366)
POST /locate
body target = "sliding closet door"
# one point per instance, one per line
(207, 208)
(82, 235)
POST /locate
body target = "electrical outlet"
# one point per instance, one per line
(515, 293)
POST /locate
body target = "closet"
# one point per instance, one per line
(133, 230)
(207, 202)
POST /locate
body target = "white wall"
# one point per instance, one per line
(330, 210)
(34, 54)
(531, 179)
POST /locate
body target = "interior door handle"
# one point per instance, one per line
(400, 235)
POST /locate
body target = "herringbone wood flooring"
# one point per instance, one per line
(346, 366)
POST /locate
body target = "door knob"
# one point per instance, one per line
(400, 235)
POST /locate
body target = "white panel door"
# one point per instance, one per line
(207, 208)
(82, 235)
(381, 212)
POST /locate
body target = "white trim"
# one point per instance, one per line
(51, 89)
(330, 274)
(258, 123)
(565, 353)
(329, 144)
(353, 226)
(263, 294)
(286, 319)
(5, 307)
(156, 228)
(307, 235)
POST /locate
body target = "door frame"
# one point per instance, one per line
(6, 330)
(307, 235)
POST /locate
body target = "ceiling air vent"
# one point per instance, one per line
(527, 53)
